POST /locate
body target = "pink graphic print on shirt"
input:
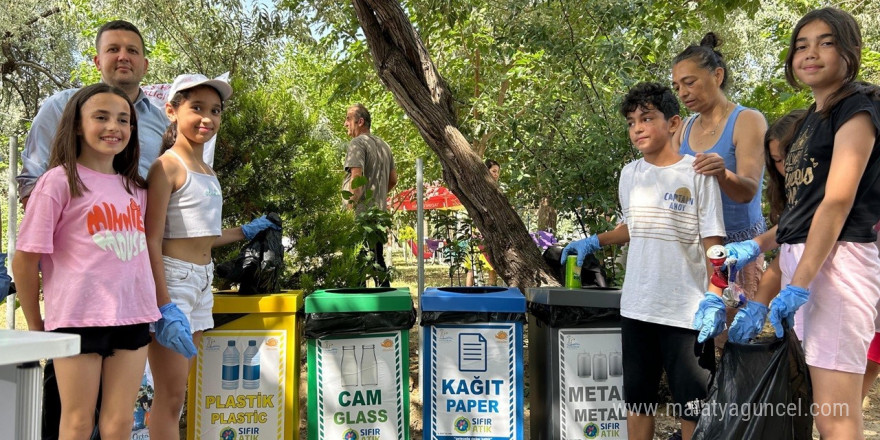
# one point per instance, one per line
(121, 232)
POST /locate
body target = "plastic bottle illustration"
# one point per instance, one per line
(349, 367)
(600, 367)
(369, 366)
(250, 377)
(231, 367)
(583, 364)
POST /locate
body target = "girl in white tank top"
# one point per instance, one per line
(183, 223)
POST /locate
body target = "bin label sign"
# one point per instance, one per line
(240, 385)
(591, 404)
(474, 381)
(360, 386)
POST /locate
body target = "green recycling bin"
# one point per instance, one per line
(575, 364)
(358, 361)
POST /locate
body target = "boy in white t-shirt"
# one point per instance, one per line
(670, 216)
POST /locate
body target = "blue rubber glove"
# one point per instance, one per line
(782, 307)
(582, 248)
(173, 331)
(4, 277)
(741, 253)
(256, 225)
(710, 318)
(748, 322)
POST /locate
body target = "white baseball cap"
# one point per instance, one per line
(188, 81)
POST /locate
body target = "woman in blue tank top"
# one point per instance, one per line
(727, 140)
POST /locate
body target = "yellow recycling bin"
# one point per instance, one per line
(245, 382)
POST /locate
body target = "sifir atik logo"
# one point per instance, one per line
(119, 232)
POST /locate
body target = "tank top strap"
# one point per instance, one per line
(180, 159)
(727, 135)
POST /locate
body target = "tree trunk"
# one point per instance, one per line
(405, 68)
(547, 216)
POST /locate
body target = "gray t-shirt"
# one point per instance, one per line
(373, 156)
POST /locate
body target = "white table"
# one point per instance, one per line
(20, 373)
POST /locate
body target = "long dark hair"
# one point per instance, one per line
(783, 130)
(67, 144)
(847, 40)
(706, 56)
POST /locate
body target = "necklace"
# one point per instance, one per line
(724, 116)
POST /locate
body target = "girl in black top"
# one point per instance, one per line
(827, 254)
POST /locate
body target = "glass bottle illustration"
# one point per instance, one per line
(349, 367)
(231, 366)
(250, 377)
(584, 364)
(600, 367)
(369, 366)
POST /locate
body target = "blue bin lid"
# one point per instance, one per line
(473, 299)
(606, 297)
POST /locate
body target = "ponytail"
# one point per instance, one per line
(169, 137)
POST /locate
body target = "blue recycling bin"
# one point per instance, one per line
(472, 363)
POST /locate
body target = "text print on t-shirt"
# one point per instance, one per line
(680, 199)
(121, 232)
(798, 171)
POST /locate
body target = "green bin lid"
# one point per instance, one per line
(606, 297)
(361, 299)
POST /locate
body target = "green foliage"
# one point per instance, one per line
(269, 159)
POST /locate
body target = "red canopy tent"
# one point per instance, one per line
(436, 197)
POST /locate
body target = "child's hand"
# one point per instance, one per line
(256, 225)
(710, 318)
(741, 253)
(581, 248)
(782, 307)
(748, 322)
(173, 331)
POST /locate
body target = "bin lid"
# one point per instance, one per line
(473, 299)
(359, 299)
(229, 301)
(606, 297)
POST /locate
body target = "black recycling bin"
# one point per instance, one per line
(575, 364)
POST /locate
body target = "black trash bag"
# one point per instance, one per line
(51, 417)
(771, 382)
(319, 325)
(258, 267)
(447, 317)
(568, 316)
(592, 272)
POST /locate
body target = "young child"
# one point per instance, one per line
(749, 321)
(670, 214)
(84, 228)
(827, 255)
(183, 224)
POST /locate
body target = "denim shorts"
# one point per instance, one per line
(189, 286)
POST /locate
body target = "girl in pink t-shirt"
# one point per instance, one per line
(84, 229)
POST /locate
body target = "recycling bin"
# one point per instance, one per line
(358, 360)
(472, 364)
(245, 382)
(575, 364)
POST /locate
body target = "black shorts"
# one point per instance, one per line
(106, 340)
(648, 350)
